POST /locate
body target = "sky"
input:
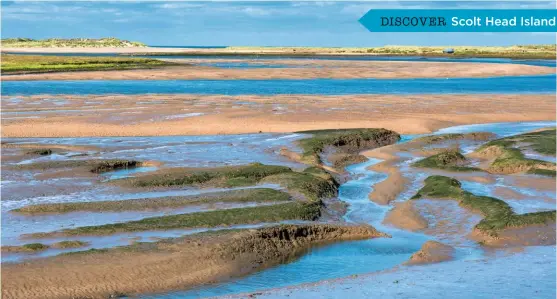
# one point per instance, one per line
(243, 23)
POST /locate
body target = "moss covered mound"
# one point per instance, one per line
(40, 152)
(35, 247)
(228, 176)
(96, 166)
(348, 141)
(431, 139)
(313, 187)
(497, 214)
(508, 158)
(288, 211)
(239, 196)
(451, 160)
(312, 183)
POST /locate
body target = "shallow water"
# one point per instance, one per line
(542, 84)
(539, 62)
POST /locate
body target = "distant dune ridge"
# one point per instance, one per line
(104, 42)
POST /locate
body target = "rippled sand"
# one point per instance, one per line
(155, 115)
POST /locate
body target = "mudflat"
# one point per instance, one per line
(169, 264)
(156, 115)
(315, 69)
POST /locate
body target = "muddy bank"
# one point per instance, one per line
(168, 265)
(405, 216)
(432, 252)
(532, 235)
(367, 69)
(156, 115)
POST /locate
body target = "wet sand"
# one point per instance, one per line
(405, 216)
(315, 69)
(156, 115)
(432, 252)
(533, 235)
(167, 265)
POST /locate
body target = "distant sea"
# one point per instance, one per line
(193, 47)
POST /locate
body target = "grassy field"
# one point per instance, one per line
(238, 196)
(510, 159)
(497, 214)
(96, 166)
(519, 52)
(107, 42)
(22, 64)
(450, 160)
(274, 213)
(348, 141)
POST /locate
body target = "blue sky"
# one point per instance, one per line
(235, 23)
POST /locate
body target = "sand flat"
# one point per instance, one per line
(317, 69)
(154, 115)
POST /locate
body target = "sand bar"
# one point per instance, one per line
(155, 115)
(325, 69)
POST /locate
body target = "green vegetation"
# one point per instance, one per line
(34, 247)
(313, 187)
(510, 159)
(96, 166)
(229, 176)
(520, 51)
(312, 183)
(288, 211)
(454, 136)
(348, 141)
(40, 151)
(70, 244)
(544, 172)
(340, 161)
(89, 251)
(497, 214)
(450, 160)
(23, 64)
(239, 196)
(107, 42)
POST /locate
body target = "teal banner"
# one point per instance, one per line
(460, 20)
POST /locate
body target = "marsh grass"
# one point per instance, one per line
(70, 244)
(35, 247)
(228, 176)
(313, 187)
(21, 64)
(40, 152)
(450, 160)
(95, 166)
(510, 159)
(349, 141)
(287, 211)
(238, 196)
(431, 139)
(497, 214)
